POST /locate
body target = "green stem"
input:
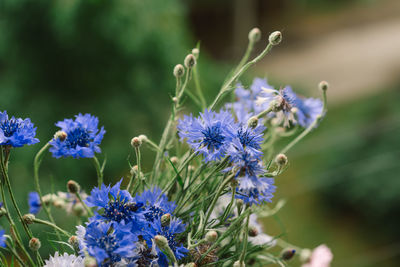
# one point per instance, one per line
(99, 172)
(52, 225)
(246, 234)
(88, 210)
(226, 87)
(139, 169)
(198, 87)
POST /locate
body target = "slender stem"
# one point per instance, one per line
(52, 225)
(245, 237)
(88, 210)
(138, 162)
(99, 172)
(10, 248)
(226, 87)
(131, 181)
(246, 55)
(263, 113)
(214, 201)
(198, 87)
(309, 129)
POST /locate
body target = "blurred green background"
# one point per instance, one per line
(114, 59)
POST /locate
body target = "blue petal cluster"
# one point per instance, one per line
(2, 239)
(16, 132)
(120, 217)
(34, 203)
(83, 137)
(208, 134)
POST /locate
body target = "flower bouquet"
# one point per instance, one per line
(211, 181)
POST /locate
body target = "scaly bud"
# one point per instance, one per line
(196, 52)
(28, 218)
(190, 61)
(74, 242)
(323, 86)
(255, 35)
(61, 135)
(34, 244)
(166, 219)
(73, 187)
(275, 38)
(281, 160)
(136, 142)
(211, 236)
(143, 138)
(161, 242)
(252, 122)
(277, 103)
(253, 232)
(287, 254)
(179, 70)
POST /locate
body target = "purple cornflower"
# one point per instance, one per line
(209, 134)
(82, 137)
(16, 132)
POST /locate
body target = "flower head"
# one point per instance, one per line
(109, 242)
(34, 203)
(16, 132)
(2, 239)
(83, 137)
(64, 260)
(154, 204)
(170, 232)
(208, 134)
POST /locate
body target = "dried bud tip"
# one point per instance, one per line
(136, 142)
(196, 52)
(253, 232)
(161, 241)
(190, 61)
(275, 38)
(323, 86)
(90, 262)
(281, 160)
(252, 122)
(165, 219)
(239, 264)
(34, 244)
(28, 218)
(73, 187)
(255, 35)
(61, 135)
(287, 254)
(179, 70)
(211, 236)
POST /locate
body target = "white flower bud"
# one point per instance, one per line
(255, 35)
(136, 142)
(252, 122)
(196, 52)
(211, 236)
(161, 242)
(143, 138)
(34, 244)
(190, 61)
(281, 160)
(61, 135)
(275, 38)
(28, 218)
(179, 70)
(166, 219)
(323, 86)
(239, 264)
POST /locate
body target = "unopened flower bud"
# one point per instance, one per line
(73, 187)
(255, 35)
(252, 122)
(174, 160)
(136, 142)
(281, 160)
(74, 242)
(161, 242)
(59, 203)
(78, 209)
(275, 38)
(277, 103)
(90, 261)
(134, 170)
(305, 255)
(28, 218)
(191, 264)
(323, 86)
(2, 212)
(179, 70)
(190, 61)
(175, 99)
(165, 219)
(211, 236)
(239, 264)
(61, 135)
(239, 203)
(143, 138)
(196, 52)
(287, 254)
(34, 244)
(253, 232)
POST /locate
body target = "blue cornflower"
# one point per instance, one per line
(115, 205)
(82, 137)
(154, 204)
(208, 134)
(250, 139)
(170, 232)
(16, 132)
(109, 242)
(255, 190)
(34, 203)
(2, 239)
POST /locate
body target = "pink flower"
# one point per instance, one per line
(320, 257)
